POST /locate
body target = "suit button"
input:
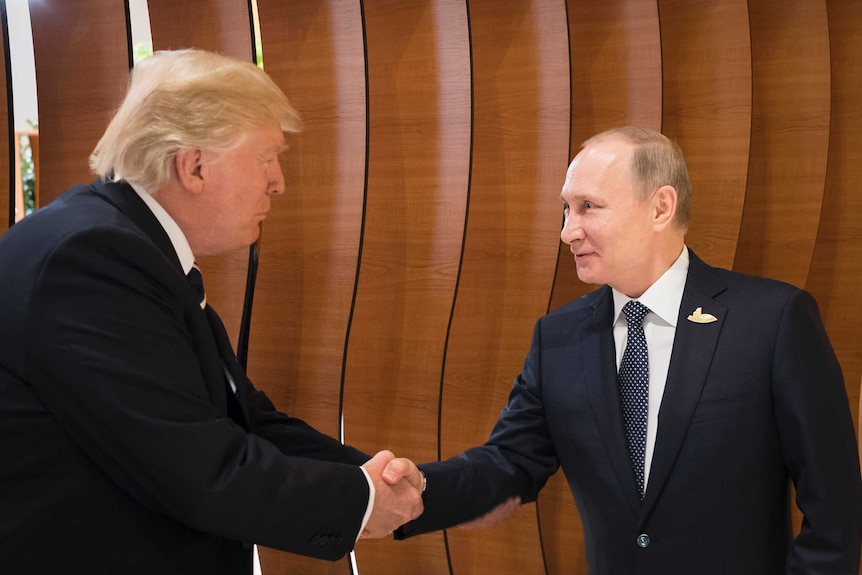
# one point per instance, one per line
(643, 540)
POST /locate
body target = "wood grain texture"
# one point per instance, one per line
(222, 26)
(311, 239)
(418, 174)
(418, 240)
(836, 268)
(82, 65)
(706, 68)
(616, 80)
(520, 152)
(789, 139)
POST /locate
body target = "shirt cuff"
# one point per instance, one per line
(371, 492)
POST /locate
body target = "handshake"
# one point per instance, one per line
(398, 486)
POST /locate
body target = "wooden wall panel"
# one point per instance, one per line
(789, 139)
(7, 131)
(616, 80)
(81, 51)
(222, 26)
(836, 268)
(706, 63)
(616, 77)
(418, 174)
(449, 233)
(520, 154)
(310, 246)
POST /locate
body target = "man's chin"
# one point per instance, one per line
(255, 234)
(588, 276)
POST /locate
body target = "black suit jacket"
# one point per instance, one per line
(752, 402)
(123, 450)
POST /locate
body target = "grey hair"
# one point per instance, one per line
(656, 161)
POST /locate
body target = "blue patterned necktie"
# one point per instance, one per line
(196, 280)
(634, 387)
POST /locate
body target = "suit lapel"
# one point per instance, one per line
(599, 363)
(133, 207)
(206, 327)
(237, 407)
(691, 357)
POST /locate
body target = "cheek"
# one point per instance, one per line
(598, 230)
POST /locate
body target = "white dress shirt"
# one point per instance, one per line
(663, 298)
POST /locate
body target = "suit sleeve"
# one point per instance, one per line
(291, 435)
(517, 460)
(295, 437)
(109, 352)
(818, 440)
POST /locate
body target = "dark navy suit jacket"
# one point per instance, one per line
(753, 401)
(123, 450)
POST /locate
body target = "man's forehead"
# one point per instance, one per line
(598, 157)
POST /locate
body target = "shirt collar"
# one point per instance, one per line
(175, 234)
(663, 297)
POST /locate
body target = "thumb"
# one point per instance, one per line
(396, 470)
(377, 464)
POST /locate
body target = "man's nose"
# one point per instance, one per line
(572, 230)
(276, 184)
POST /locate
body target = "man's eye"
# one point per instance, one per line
(588, 205)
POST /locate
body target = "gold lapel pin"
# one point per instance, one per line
(699, 317)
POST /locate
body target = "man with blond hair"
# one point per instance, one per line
(132, 440)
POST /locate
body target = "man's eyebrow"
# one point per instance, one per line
(275, 150)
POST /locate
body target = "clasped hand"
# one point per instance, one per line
(398, 485)
(398, 493)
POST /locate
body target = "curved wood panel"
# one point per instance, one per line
(7, 130)
(763, 118)
(836, 268)
(222, 26)
(706, 61)
(520, 154)
(81, 51)
(616, 80)
(418, 173)
(789, 139)
(309, 249)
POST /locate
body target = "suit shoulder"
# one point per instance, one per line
(587, 310)
(750, 297)
(711, 281)
(757, 288)
(77, 213)
(587, 303)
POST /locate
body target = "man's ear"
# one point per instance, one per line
(664, 204)
(189, 167)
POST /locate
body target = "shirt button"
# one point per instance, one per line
(643, 541)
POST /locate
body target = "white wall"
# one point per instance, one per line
(21, 59)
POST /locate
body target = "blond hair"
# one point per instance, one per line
(186, 99)
(656, 162)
